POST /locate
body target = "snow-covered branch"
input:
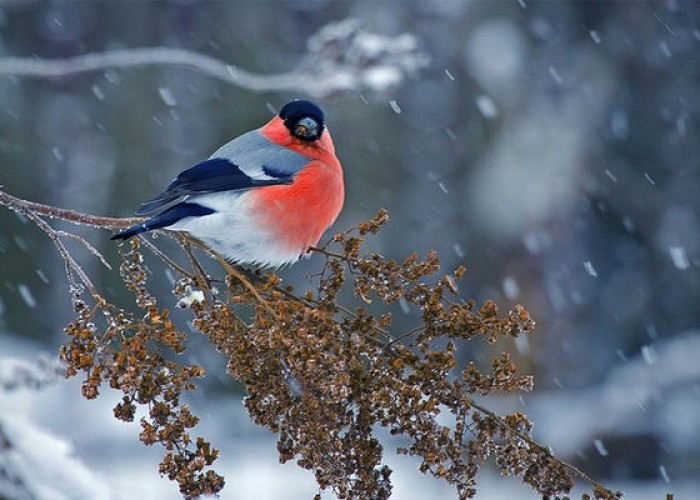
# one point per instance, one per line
(20, 374)
(628, 391)
(341, 57)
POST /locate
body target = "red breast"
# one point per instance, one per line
(299, 213)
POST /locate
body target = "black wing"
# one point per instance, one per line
(217, 174)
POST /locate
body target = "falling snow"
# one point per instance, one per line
(555, 75)
(405, 306)
(600, 447)
(167, 96)
(679, 258)
(649, 354)
(56, 152)
(26, 295)
(610, 175)
(619, 125)
(590, 269)
(510, 287)
(21, 244)
(395, 107)
(99, 93)
(522, 344)
(487, 106)
(42, 276)
(541, 149)
(628, 224)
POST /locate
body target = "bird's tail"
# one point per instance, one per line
(165, 219)
(127, 233)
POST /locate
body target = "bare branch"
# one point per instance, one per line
(78, 218)
(340, 57)
(71, 265)
(94, 251)
(48, 68)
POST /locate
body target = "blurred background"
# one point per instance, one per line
(549, 147)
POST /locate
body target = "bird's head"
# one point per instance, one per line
(300, 126)
(303, 119)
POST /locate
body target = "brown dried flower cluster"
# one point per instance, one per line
(128, 353)
(323, 377)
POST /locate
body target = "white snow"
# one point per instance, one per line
(510, 287)
(665, 50)
(679, 258)
(99, 93)
(648, 354)
(42, 276)
(600, 448)
(554, 73)
(610, 175)
(47, 464)
(56, 152)
(167, 96)
(486, 106)
(26, 295)
(619, 125)
(381, 78)
(590, 269)
(192, 296)
(395, 106)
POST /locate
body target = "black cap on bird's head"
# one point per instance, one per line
(303, 119)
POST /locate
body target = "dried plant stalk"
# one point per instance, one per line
(321, 376)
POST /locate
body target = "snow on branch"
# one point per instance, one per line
(20, 374)
(340, 57)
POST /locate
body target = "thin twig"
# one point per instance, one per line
(167, 260)
(389, 348)
(231, 271)
(198, 270)
(576, 471)
(328, 253)
(87, 245)
(71, 264)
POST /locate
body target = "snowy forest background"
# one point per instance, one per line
(549, 147)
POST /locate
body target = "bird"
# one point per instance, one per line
(263, 199)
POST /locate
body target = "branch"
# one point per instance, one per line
(127, 58)
(35, 211)
(70, 264)
(340, 57)
(24, 206)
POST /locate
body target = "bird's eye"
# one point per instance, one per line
(307, 129)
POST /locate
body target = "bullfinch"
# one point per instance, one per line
(264, 198)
